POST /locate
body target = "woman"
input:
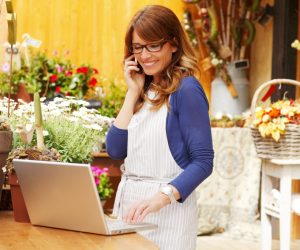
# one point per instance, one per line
(162, 131)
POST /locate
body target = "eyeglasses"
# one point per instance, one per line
(151, 47)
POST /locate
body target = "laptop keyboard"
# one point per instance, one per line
(114, 224)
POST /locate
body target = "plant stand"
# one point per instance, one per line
(18, 203)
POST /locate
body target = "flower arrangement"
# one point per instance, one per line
(102, 182)
(51, 77)
(272, 121)
(72, 129)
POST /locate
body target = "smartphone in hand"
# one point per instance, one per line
(139, 66)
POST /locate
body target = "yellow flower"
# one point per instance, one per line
(277, 105)
(262, 129)
(259, 112)
(271, 121)
(265, 118)
(269, 109)
(276, 135)
(256, 122)
(284, 111)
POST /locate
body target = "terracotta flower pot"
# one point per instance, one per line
(18, 203)
(5, 147)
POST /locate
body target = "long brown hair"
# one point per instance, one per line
(153, 23)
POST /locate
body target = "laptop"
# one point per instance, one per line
(64, 195)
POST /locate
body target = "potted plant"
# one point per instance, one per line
(69, 132)
(50, 76)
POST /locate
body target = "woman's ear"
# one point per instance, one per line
(174, 49)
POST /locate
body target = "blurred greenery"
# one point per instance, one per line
(113, 98)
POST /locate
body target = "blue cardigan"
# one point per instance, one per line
(188, 133)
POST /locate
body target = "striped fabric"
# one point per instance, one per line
(150, 159)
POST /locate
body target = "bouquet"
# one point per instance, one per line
(272, 121)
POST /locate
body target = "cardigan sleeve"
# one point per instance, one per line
(116, 143)
(192, 111)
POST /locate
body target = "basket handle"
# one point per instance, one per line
(264, 85)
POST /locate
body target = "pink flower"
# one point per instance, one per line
(6, 67)
(99, 171)
(68, 73)
(59, 68)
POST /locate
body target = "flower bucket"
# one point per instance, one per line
(288, 146)
(18, 203)
(221, 98)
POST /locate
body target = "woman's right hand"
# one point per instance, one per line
(135, 80)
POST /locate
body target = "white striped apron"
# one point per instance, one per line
(148, 166)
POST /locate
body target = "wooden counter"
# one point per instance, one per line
(14, 235)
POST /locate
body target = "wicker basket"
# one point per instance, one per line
(288, 146)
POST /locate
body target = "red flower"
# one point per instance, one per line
(83, 70)
(57, 89)
(68, 73)
(53, 78)
(93, 82)
(95, 71)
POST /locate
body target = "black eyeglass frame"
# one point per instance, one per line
(161, 43)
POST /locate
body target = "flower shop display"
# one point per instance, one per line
(69, 127)
(51, 77)
(71, 132)
(226, 28)
(102, 182)
(275, 128)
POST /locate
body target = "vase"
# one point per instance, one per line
(18, 203)
(5, 147)
(221, 99)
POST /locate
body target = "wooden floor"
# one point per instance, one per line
(219, 243)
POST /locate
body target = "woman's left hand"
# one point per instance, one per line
(140, 209)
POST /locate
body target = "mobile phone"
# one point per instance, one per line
(139, 66)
